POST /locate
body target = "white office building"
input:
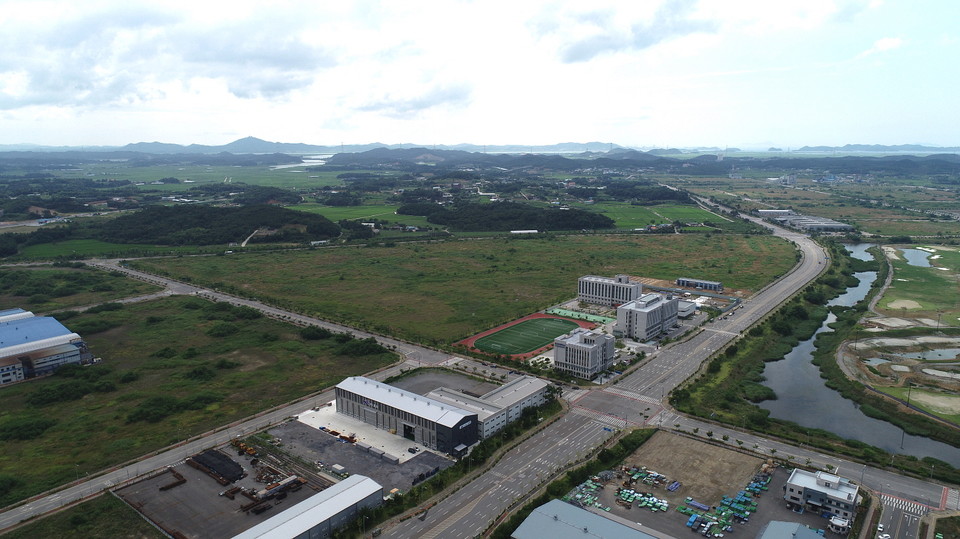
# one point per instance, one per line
(606, 291)
(499, 407)
(646, 318)
(583, 353)
(823, 492)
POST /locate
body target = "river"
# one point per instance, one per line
(803, 398)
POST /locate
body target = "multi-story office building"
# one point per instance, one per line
(646, 318)
(606, 291)
(583, 353)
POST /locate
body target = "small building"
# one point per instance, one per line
(700, 284)
(822, 492)
(33, 346)
(499, 407)
(583, 353)
(560, 520)
(420, 419)
(686, 309)
(606, 291)
(321, 514)
(646, 318)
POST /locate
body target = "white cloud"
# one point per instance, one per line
(882, 45)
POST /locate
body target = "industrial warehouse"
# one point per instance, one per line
(417, 418)
(445, 420)
(32, 346)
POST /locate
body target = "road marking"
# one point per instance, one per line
(908, 506)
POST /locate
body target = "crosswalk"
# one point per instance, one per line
(953, 500)
(905, 505)
(631, 395)
(599, 417)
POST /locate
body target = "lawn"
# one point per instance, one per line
(172, 368)
(625, 215)
(524, 337)
(439, 293)
(931, 289)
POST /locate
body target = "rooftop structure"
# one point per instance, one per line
(322, 513)
(498, 407)
(824, 491)
(406, 401)
(560, 520)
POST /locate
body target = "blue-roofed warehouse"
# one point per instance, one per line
(35, 345)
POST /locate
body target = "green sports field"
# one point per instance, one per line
(525, 337)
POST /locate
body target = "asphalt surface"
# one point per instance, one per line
(636, 399)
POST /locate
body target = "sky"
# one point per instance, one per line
(639, 73)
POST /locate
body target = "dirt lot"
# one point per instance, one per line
(706, 472)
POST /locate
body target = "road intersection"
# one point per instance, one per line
(636, 400)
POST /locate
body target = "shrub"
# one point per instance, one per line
(25, 428)
(314, 333)
(222, 329)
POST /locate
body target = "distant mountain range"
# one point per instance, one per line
(253, 145)
(259, 146)
(880, 148)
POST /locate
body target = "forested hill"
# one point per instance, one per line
(204, 225)
(512, 216)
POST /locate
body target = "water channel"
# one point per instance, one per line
(804, 399)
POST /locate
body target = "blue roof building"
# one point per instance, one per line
(35, 345)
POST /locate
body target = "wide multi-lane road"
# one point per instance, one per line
(636, 400)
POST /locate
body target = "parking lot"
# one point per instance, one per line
(706, 473)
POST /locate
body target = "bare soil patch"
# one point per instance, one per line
(903, 304)
(944, 404)
(707, 472)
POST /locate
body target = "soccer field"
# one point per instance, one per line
(525, 337)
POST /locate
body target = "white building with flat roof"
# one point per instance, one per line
(499, 407)
(321, 514)
(606, 291)
(823, 492)
(583, 353)
(646, 318)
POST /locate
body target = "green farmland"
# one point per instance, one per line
(524, 337)
(447, 291)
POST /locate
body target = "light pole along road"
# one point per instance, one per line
(535, 461)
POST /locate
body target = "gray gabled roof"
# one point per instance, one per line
(418, 405)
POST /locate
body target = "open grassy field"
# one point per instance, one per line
(295, 177)
(44, 289)
(106, 249)
(922, 292)
(172, 368)
(526, 336)
(625, 215)
(443, 292)
(687, 214)
(103, 516)
(384, 212)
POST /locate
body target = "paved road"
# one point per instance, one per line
(635, 400)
